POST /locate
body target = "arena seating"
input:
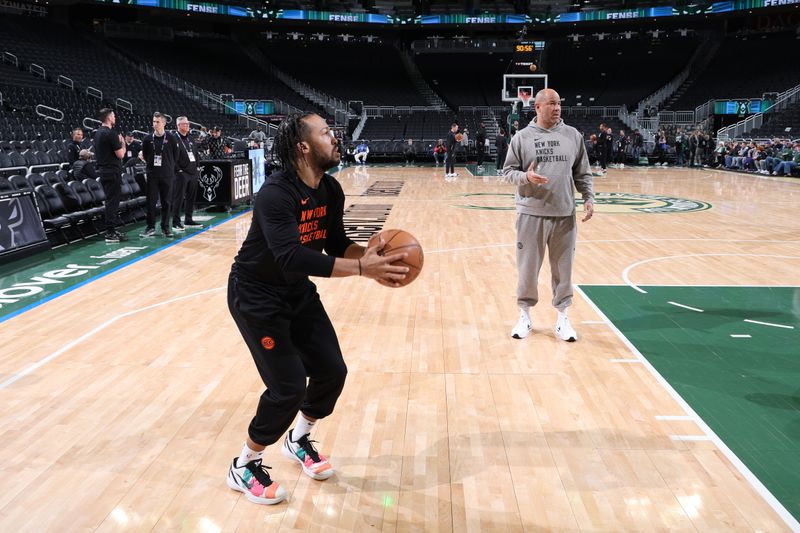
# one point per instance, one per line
(370, 72)
(776, 124)
(215, 65)
(744, 67)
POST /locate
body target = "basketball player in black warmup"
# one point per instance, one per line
(297, 214)
(451, 143)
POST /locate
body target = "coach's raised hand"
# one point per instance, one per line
(535, 178)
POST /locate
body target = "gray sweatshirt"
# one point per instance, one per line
(559, 154)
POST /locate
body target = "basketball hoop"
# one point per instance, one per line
(525, 94)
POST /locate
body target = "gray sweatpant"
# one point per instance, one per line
(558, 235)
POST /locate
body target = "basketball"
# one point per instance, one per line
(533, 67)
(397, 240)
(459, 137)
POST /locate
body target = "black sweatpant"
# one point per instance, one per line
(178, 191)
(501, 159)
(481, 149)
(450, 164)
(158, 188)
(191, 195)
(290, 338)
(111, 182)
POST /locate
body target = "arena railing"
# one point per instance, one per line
(90, 123)
(8, 57)
(737, 130)
(66, 82)
(42, 110)
(126, 105)
(94, 92)
(37, 70)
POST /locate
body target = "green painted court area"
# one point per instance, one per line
(32, 281)
(747, 389)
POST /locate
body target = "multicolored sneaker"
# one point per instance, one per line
(253, 480)
(314, 464)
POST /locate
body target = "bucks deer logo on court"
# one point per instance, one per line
(11, 217)
(210, 178)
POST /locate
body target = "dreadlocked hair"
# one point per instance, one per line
(290, 132)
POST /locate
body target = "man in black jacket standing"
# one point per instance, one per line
(186, 174)
(451, 143)
(160, 151)
(109, 147)
(480, 144)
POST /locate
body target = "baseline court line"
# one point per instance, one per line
(768, 324)
(686, 307)
(759, 487)
(742, 336)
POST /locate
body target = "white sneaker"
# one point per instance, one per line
(564, 329)
(253, 480)
(523, 327)
(622, 165)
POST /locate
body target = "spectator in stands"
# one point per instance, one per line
(83, 168)
(160, 150)
(501, 144)
(258, 136)
(702, 148)
(622, 145)
(694, 141)
(638, 143)
(439, 152)
(480, 145)
(789, 159)
(74, 148)
(109, 148)
(514, 128)
(409, 153)
(680, 144)
(464, 144)
(132, 149)
(214, 144)
(451, 143)
(362, 151)
(186, 176)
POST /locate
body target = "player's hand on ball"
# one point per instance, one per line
(535, 178)
(379, 267)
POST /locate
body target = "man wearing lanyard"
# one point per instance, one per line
(185, 184)
(160, 151)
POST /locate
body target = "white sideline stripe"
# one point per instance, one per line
(686, 307)
(55, 355)
(742, 336)
(674, 417)
(759, 487)
(768, 324)
(690, 438)
(626, 360)
(626, 272)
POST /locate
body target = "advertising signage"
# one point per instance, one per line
(624, 14)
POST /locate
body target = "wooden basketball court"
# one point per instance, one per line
(124, 400)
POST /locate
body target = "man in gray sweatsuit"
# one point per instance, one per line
(545, 161)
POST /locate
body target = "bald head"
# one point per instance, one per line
(546, 94)
(548, 108)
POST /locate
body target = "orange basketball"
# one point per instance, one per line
(397, 240)
(459, 137)
(533, 67)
